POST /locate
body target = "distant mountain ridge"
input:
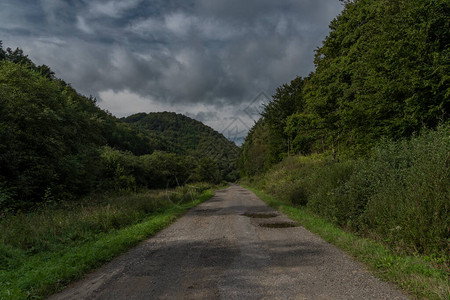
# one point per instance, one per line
(184, 135)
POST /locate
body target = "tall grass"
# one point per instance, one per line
(43, 250)
(400, 194)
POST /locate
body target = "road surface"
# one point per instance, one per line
(232, 247)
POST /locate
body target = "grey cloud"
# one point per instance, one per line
(218, 53)
(204, 116)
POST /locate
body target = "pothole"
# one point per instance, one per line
(279, 225)
(262, 215)
(205, 210)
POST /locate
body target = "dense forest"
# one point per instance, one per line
(364, 139)
(58, 144)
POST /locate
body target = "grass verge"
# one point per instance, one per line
(414, 274)
(28, 275)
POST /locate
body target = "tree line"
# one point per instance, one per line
(382, 72)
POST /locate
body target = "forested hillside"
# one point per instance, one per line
(190, 137)
(364, 139)
(58, 144)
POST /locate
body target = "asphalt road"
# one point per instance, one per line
(232, 247)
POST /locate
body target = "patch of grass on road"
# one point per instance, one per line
(41, 252)
(414, 274)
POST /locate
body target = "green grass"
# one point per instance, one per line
(33, 268)
(414, 274)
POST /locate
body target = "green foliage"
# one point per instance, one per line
(254, 157)
(48, 143)
(382, 72)
(399, 194)
(268, 141)
(207, 170)
(411, 203)
(287, 99)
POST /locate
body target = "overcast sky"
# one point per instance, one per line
(213, 60)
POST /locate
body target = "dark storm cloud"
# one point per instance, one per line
(204, 52)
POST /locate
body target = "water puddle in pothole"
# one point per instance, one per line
(262, 215)
(278, 225)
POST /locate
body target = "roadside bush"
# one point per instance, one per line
(410, 205)
(118, 168)
(290, 180)
(327, 181)
(400, 194)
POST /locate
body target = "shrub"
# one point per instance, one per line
(327, 181)
(399, 194)
(411, 201)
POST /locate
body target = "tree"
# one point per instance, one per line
(287, 100)
(382, 71)
(255, 157)
(2, 52)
